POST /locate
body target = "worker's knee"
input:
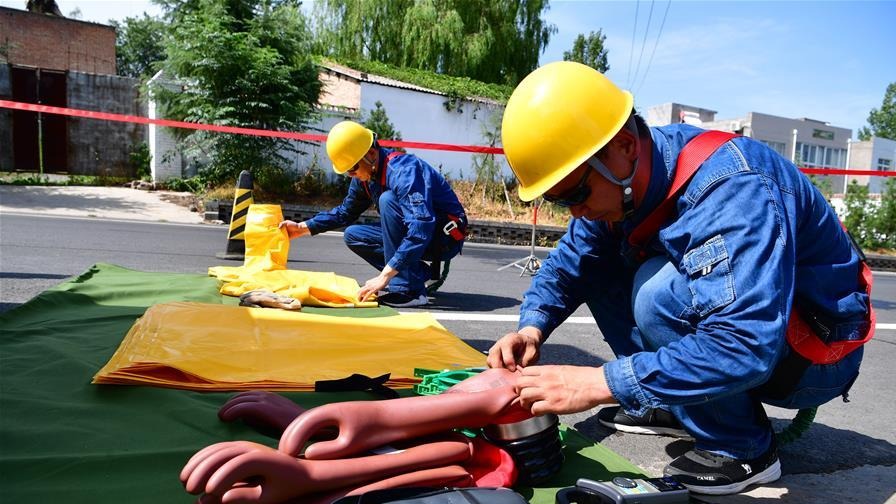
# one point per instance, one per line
(362, 235)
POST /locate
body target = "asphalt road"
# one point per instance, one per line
(849, 454)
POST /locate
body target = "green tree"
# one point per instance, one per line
(378, 122)
(589, 51)
(495, 42)
(884, 220)
(243, 63)
(858, 216)
(138, 45)
(882, 121)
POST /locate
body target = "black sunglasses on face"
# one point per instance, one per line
(358, 165)
(574, 196)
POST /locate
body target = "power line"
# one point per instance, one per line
(643, 43)
(632, 51)
(655, 44)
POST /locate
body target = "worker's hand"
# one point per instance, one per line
(262, 410)
(294, 229)
(562, 389)
(241, 471)
(515, 349)
(377, 283)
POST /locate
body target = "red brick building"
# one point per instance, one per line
(62, 62)
(55, 43)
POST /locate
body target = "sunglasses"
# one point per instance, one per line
(358, 164)
(574, 196)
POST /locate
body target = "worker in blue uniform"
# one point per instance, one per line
(748, 292)
(421, 218)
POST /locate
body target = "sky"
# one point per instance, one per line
(825, 60)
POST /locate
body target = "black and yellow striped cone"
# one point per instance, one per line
(236, 244)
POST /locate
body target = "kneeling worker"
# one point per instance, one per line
(742, 288)
(421, 218)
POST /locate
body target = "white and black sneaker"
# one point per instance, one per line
(708, 473)
(658, 422)
(402, 300)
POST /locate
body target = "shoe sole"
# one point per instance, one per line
(410, 304)
(771, 473)
(652, 431)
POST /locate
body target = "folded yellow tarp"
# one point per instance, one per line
(200, 346)
(264, 267)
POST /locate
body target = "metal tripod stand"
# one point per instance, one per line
(530, 264)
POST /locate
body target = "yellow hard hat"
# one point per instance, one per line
(347, 143)
(557, 117)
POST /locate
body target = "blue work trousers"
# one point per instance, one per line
(376, 243)
(736, 424)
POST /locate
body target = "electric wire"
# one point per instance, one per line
(631, 52)
(655, 44)
(643, 43)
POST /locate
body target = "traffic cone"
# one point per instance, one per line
(236, 243)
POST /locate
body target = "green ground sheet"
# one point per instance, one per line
(65, 440)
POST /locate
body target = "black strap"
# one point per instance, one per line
(358, 383)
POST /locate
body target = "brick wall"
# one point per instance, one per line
(55, 43)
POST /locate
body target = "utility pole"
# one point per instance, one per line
(40, 128)
(793, 147)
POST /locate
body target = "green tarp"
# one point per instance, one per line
(63, 439)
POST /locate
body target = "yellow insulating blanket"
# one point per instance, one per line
(264, 267)
(198, 346)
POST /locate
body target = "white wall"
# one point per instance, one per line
(418, 116)
(422, 117)
(883, 148)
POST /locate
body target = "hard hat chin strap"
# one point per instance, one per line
(628, 194)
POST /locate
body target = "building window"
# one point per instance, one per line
(776, 146)
(820, 156)
(884, 164)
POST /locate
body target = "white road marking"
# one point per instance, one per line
(487, 317)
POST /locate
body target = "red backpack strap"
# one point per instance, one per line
(806, 343)
(694, 153)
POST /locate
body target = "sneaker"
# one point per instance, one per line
(709, 473)
(656, 421)
(402, 300)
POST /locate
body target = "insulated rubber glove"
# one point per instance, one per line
(242, 471)
(267, 412)
(486, 398)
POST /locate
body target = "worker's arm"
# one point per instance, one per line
(582, 262)
(563, 389)
(377, 283)
(295, 229)
(514, 349)
(355, 203)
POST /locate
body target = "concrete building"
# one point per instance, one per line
(51, 60)
(807, 142)
(876, 154)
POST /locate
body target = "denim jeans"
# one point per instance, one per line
(376, 243)
(736, 424)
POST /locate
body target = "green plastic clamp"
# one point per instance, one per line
(436, 382)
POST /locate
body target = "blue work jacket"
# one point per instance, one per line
(752, 236)
(425, 197)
